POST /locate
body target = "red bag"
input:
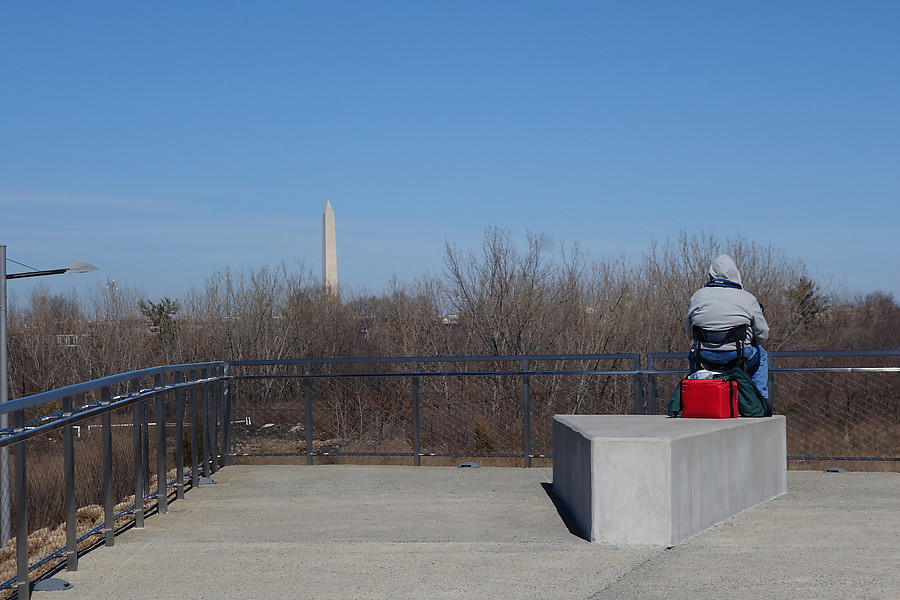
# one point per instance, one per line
(709, 399)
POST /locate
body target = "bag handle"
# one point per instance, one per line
(732, 400)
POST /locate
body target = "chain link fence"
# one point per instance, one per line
(425, 411)
(839, 407)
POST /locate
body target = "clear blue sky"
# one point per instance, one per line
(165, 141)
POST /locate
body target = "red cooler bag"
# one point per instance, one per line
(709, 399)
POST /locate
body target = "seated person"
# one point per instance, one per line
(721, 305)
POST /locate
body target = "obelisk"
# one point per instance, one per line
(329, 251)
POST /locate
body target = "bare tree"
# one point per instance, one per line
(671, 272)
(43, 342)
(504, 297)
(120, 339)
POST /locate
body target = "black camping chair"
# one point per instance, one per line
(735, 335)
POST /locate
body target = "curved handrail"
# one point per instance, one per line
(87, 386)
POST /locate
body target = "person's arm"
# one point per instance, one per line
(688, 325)
(758, 324)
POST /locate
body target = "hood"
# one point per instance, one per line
(723, 267)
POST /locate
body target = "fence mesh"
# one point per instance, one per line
(469, 409)
(839, 415)
(466, 412)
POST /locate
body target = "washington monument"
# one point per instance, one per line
(329, 251)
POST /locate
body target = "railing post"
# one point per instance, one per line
(145, 443)
(214, 421)
(204, 412)
(195, 451)
(212, 409)
(227, 418)
(638, 387)
(417, 440)
(526, 410)
(770, 383)
(652, 383)
(5, 487)
(210, 431)
(109, 521)
(162, 479)
(221, 448)
(23, 584)
(69, 468)
(137, 435)
(307, 388)
(179, 437)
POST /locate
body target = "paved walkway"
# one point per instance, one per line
(435, 532)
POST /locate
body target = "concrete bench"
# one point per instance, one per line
(653, 480)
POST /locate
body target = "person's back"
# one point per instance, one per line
(723, 304)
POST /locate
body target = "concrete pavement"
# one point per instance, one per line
(438, 532)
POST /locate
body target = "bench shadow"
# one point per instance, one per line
(564, 513)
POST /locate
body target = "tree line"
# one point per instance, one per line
(503, 299)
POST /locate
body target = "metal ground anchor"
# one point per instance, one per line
(54, 584)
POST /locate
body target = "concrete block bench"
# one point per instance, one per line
(654, 480)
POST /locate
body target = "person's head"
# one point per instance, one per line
(723, 269)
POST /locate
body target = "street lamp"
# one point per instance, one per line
(79, 267)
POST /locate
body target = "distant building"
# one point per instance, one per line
(69, 340)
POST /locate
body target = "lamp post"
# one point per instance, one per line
(80, 267)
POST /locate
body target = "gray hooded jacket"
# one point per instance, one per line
(723, 304)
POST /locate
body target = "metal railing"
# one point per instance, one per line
(841, 405)
(59, 411)
(408, 409)
(510, 378)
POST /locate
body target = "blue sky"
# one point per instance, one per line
(167, 141)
